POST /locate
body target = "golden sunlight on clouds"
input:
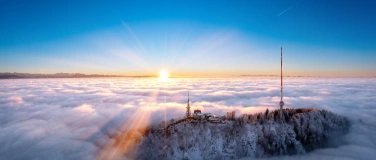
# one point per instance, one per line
(85, 108)
(16, 100)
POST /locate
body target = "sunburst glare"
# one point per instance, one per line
(163, 74)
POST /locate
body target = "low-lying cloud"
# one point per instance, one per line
(78, 118)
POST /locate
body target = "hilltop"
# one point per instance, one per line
(258, 135)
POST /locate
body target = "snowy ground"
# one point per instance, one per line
(252, 136)
(80, 118)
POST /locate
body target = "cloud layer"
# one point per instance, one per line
(78, 118)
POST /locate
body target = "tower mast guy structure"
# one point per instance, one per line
(188, 112)
(281, 103)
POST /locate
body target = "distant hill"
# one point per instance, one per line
(14, 75)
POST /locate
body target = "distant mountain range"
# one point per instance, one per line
(15, 75)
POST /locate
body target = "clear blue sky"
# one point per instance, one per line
(189, 38)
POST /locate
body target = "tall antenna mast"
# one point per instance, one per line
(188, 112)
(281, 103)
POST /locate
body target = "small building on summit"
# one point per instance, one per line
(214, 119)
(197, 111)
(198, 115)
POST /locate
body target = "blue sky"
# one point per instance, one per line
(189, 38)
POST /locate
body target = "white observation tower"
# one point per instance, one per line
(281, 103)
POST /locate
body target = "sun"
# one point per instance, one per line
(163, 74)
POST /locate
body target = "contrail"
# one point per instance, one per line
(289, 8)
(285, 10)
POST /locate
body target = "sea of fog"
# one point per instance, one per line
(75, 118)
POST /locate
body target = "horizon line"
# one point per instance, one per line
(72, 75)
